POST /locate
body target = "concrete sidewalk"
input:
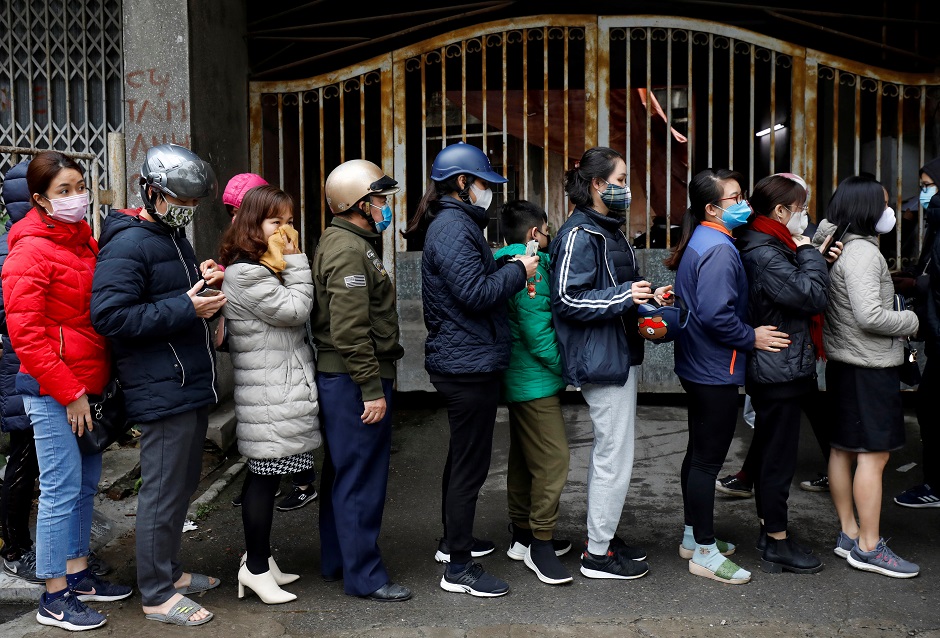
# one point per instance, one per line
(668, 602)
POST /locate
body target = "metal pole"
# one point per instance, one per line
(117, 173)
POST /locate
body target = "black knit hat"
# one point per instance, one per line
(932, 168)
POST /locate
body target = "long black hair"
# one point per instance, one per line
(857, 204)
(430, 204)
(598, 161)
(704, 189)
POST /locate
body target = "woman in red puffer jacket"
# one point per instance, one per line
(47, 281)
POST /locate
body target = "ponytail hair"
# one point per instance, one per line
(704, 189)
(429, 205)
(597, 162)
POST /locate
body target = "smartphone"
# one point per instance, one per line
(532, 248)
(208, 292)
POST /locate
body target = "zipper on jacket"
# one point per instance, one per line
(179, 362)
(61, 344)
(734, 356)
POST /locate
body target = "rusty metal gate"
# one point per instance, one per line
(673, 95)
(61, 77)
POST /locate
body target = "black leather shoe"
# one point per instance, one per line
(787, 555)
(390, 593)
(762, 543)
(332, 578)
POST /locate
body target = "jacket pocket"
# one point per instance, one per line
(178, 365)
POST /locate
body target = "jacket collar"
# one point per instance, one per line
(477, 214)
(345, 224)
(67, 235)
(609, 223)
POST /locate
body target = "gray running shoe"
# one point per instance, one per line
(882, 560)
(24, 567)
(844, 545)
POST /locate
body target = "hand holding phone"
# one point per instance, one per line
(532, 248)
(208, 292)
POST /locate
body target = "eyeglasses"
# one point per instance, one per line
(802, 209)
(924, 186)
(737, 198)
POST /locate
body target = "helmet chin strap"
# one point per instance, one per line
(368, 216)
(464, 194)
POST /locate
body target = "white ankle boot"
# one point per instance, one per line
(264, 585)
(279, 577)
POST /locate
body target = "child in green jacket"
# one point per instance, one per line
(538, 446)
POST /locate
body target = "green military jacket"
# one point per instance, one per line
(355, 321)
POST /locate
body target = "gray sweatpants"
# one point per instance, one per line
(170, 466)
(613, 413)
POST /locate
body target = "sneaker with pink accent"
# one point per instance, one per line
(882, 560)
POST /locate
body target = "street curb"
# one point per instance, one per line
(213, 491)
(16, 590)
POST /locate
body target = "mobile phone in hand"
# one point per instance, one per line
(532, 248)
(208, 292)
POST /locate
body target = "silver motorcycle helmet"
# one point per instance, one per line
(175, 171)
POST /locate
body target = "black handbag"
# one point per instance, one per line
(108, 417)
(910, 370)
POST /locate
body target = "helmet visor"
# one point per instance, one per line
(384, 186)
(192, 179)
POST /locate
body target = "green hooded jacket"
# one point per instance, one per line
(535, 364)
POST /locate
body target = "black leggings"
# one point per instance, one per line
(257, 517)
(713, 415)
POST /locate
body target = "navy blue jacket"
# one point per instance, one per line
(712, 348)
(465, 294)
(593, 269)
(16, 200)
(163, 351)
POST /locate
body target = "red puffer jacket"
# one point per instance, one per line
(47, 293)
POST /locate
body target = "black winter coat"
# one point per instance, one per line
(163, 351)
(785, 289)
(465, 294)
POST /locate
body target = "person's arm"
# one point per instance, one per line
(863, 284)
(717, 294)
(346, 275)
(802, 288)
(460, 263)
(118, 306)
(26, 286)
(263, 295)
(573, 273)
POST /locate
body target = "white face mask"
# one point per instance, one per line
(886, 222)
(797, 223)
(484, 196)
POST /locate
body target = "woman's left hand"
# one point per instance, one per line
(212, 273)
(79, 415)
(661, 298)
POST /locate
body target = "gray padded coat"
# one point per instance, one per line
(861, 326)
(275, 390)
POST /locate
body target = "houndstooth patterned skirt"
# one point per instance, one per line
(287, 465)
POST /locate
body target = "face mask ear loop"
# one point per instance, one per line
(368, 216)
(465, 193)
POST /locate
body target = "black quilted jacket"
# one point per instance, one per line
(465, 294)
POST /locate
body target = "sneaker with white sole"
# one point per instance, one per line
(473, 580)
(23, 567)
(844, 545)
(612, 565)
(480, 548)
(540, 558)
(69, 613)
(919, 496)
(820, 484)
(733, 486)
(882, 560)
(94, 589)
(521, 538)
(297, 498)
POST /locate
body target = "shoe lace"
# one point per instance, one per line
(28, 559)
(886, 554)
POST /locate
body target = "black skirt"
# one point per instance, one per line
(867, 411)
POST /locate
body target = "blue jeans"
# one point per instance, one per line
(68, 482)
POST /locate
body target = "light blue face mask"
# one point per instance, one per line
(927, 195)
(735, 215)
(386, 217)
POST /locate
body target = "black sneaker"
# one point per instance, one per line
(23, 567)
(480, 547)
(297, 498)
(613, 565)
(627, 551)
(540, 557)
(521, 540)
(474, 581)
(820, 484)
(733, 486)
(92, 589)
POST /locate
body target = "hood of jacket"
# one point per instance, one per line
(16, 197)
(748, 239)
(63, 234)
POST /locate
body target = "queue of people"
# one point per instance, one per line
(314, 345)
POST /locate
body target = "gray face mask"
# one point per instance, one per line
(177, 216)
